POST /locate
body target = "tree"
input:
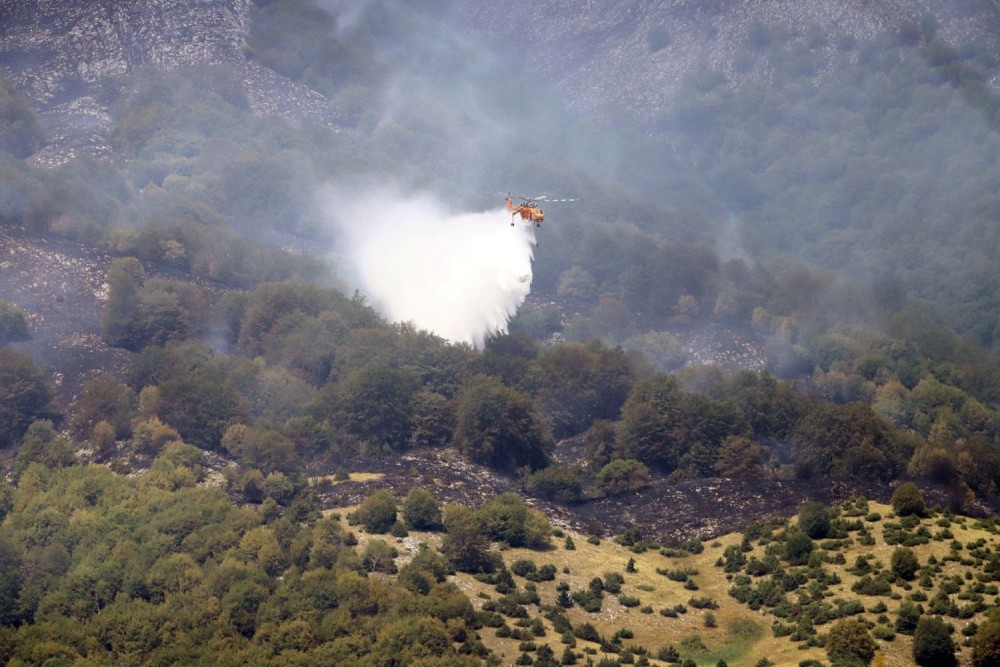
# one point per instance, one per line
(649, 424)
(43, 445)
(499, 427)
(377, 512)
(798, 546)
(986, 645)
(739, 456)
(622, 476)
(932, 643)
(125, 280)
(555, 483)
(104, 398)
(25, 395)
(13, 323)
(907, 500)
(421, 510)
(904, 563)
(507, 518)
(375, 404)
(463, 543)
(849, 641)
(848, 441)
(21, 130)
(814, 519)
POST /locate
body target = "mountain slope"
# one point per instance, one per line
(608, 57)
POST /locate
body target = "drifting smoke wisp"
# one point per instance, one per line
(461, 276)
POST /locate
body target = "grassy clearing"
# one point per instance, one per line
(664, 592)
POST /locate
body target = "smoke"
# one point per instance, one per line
(460, 275)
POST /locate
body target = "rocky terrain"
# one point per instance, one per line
(602, 58)
(61, 52)
(61, 286)
(605, 57)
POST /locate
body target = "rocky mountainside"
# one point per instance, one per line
(609, 56)
(600, 57)
(61, 51)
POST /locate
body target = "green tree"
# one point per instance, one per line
(849, 641)
(986, 645)
(507, 518)
(814, 519)
(25, 395)
(848, 441)
(904, 563)
(377, 512)
(104, 398)
(932, 643)
(421, 510)
(21, 130)
(499, 427)
(463, 543)
(907, 500)
(555, 483)
(623, 476)
(739, 457)
(13, 323)
(375, 404)
(125, 280)
(798, 546)
(41, 444)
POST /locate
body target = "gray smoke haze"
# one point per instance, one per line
(460, 275)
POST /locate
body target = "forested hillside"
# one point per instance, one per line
(819, 202)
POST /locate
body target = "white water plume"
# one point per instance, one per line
(461, 276)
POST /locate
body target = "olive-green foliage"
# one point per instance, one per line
(500, 427)
(904, 563)
(41, 444)
(21, 130)
(104, 398)
(814, 519)
(141, 312)
(13, 323)
(666, 428)
(580, 383)
(849, 640)
(907, 500)
(932, 643)
(622, 476)
(421, 510)
(555, 483)
(507, 518)
(191, 564)
(377, 512)
(25, 395)
(798, 546)
(463, 543)
(986, 645)
(848, 441)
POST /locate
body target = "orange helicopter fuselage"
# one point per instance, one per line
(526, 211)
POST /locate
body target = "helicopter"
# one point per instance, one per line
(528, 209)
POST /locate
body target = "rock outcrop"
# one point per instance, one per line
(60, 52)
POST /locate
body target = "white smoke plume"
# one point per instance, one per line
(460, 275)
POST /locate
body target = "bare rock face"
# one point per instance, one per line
(60, 51)
(609, 56)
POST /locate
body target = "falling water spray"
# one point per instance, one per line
(461, 276)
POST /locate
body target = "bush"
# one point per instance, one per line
(932, 643)
(814, 519)
(904, 563)
(849, 641)
(377, 512)
(907, 500)
(421, 511)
